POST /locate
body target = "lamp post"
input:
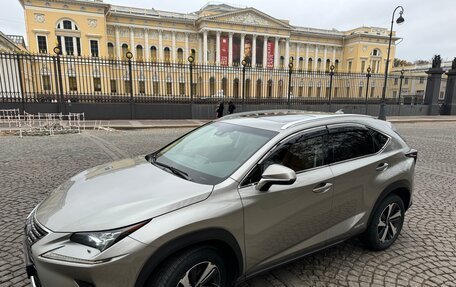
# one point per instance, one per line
(399, 20)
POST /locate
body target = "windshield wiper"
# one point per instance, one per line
(174, 170)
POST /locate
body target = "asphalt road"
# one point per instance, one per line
(424, 255)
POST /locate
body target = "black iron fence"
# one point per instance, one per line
(31, 78)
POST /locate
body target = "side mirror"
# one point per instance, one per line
(276, 174)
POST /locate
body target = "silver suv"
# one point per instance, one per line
(224, 202)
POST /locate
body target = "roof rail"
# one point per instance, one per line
(298, 122)
(252, 114)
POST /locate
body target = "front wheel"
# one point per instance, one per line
(197, 267)
(386, 224)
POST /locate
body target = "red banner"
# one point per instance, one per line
(224, 51)
(270, 54)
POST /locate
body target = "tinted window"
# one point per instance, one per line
(299, 154)
(350, 144)
(379, 140)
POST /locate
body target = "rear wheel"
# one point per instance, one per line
(386, 224)
(196, 267)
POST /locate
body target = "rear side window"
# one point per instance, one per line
(352, 142)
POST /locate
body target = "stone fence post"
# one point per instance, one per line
(431, 97)
(449, 106)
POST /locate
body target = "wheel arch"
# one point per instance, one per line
(402, 188)
(223, 240)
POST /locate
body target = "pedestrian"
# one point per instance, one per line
(219, 110)
(231, 107)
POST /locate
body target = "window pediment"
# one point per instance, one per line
(247, 17)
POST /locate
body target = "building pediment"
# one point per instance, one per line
(249, 16)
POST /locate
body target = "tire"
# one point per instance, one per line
(386, 224)
(189, 267)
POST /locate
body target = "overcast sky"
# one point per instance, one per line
(428, 28)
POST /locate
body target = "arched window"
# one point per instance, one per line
(270, 88)
(153, 53)
(282, 62)
(319, 65)
(224, 86)
(139, 53)
(259, 85)
(328, 64)
(247, 88)
(111, 52)
(376, 52)
(236, 88)
(336, 65)
(193, 53)
(212, 86)
(309, 65)
(167, 55)
(180, 55)
(68, 39)
(301, 63)
(280, 87)
(124, 51)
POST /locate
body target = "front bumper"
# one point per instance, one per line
(120, 264)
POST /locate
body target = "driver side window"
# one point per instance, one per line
(299, 153)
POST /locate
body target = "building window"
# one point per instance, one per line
(395, 81)
(327, 92)
(97, 84)
(42, 44)
(406, 81)
(181, 89)
(336, 92)
(113, 87)
(156, 87)
(421, 80)
(169, 88)
(69, 47)
(372, 92)
(328, 64)
(212, 86)
(139, 53)
(247, 88)
(309, 91)
(69, 44)
(319, 65)
(394, 94)
(300, 91)
(46, 82)
(258, 88)
(142, 87)
(72, 84)
(124, 51)
(280, 88)
(67, 25)
(224, 86)
(309, 65)
(363, 66)
(167, 55)
(360, 92)
(193, 53)
(301, 63)
(282, 62)
(336, 65)
(318, 92)
(347, 90)
(180, 55)
(127, 86)
(94, 48)
(350, 63)
(236, 88)
(270, 89)
(111, 50)
(153, 53)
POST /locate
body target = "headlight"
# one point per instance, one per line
(101, 240)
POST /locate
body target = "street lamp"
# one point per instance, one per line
(399, 20)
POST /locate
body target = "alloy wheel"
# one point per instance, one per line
(203, 274)
(389, 222)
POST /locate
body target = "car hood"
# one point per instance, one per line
(115, 195)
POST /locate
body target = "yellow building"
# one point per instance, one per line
(95, 28)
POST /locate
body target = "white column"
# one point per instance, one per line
(254, 38)
(200, 49)
(146, 43)
(187, 51)
(230, 49)
(297, 53)
(160, 45)
(334, 55)
(324, 58)
(174, 46)
(287, 52)
(276, 53)
(75, 47)
(62, 41)
(265, 51)
(205, 47)
(307, 57)
(118, 48)
(132, 42)
(316, 58)
(242, 47)
(217, 48)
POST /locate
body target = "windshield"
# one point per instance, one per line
(210, 154)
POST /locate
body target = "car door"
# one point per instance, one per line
(356, 168)
(288, 218)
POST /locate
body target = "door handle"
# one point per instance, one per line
(381, 167)
(322, 187)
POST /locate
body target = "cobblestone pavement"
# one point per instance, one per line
(424, 255)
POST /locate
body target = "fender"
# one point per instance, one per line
(217, 235)
(398, 185)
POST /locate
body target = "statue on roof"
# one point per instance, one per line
(436, 61)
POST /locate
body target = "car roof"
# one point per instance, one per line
(279, 120)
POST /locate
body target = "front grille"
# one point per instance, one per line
(33, 231)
